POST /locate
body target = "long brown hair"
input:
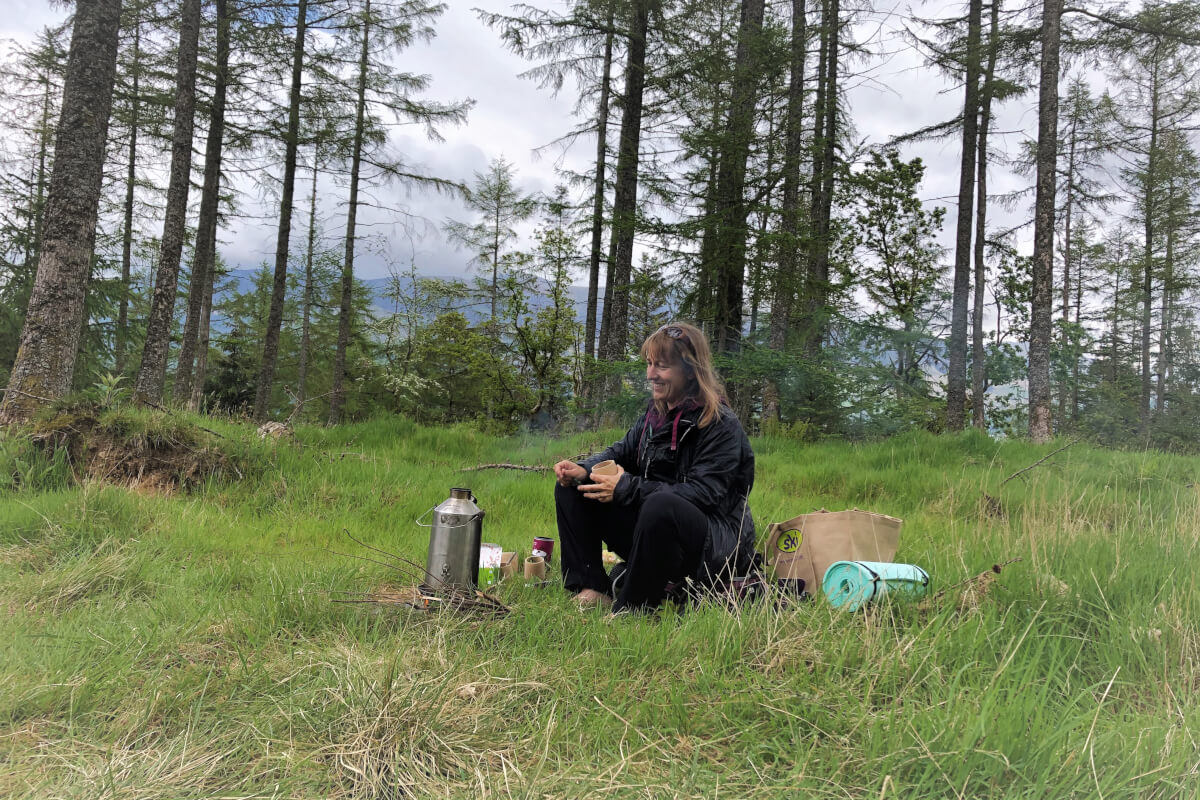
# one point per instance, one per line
(681, 343)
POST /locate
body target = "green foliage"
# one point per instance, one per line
(26, 467)
(108, 390)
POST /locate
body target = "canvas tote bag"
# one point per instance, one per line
(805, 546)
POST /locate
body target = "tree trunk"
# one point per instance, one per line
(1042, 299)
(731, 181)
(337, 398)
(787, 277)
(1150, 209)
(122, 333)
(306, 317)
(589, 350)
(1067, 272)
(978, 355)
(153, 372)
(266, 373)
(624, 222)
(210, 198)
(45, 361)
(1164, 317)
(817, 287)
(202, 332)
(956, 379)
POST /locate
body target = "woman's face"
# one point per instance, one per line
(668, 380)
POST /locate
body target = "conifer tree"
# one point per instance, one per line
(270, 352)
(45, 361)
(153, 371)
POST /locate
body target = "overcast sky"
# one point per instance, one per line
(512, 118)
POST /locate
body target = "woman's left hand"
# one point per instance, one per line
(602, 486)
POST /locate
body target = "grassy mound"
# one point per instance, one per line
(141, 449)
(189, 645)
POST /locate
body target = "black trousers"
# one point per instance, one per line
(661, 541)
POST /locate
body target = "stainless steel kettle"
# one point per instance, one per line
(454, 539)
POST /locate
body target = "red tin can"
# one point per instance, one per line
(543, 546)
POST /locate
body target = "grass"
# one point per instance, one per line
(187, 646)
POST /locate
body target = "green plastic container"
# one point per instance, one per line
(850, 584)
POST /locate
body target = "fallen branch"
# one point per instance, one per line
(171, 413)
(982, 580)
(524, 467)
(27, 394)
(299, 404)
(1040, 461)
(448, 596)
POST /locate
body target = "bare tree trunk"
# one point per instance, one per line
(266, 373)
(816, 288)
(122, 334)
(705, 312)
(1150, 208)
(956, 378)
(1042, 299)
(45, 361)
(787, 277)
(306, 318)
(202, 332)
(1164, 323)
(731, 181)
(337, 398)
(978, 355)
(602, 110)
(153, 371)
(210, 198)
(1067, 272)
(1075, 365)
(624, 223)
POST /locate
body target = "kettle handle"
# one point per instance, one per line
(423, 515)
(432, 508)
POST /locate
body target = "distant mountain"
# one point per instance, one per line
(242, 280)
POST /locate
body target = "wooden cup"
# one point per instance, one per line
(535, 568)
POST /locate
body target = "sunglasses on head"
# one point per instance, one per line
(674, 331)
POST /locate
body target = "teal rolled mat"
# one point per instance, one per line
(850, 584)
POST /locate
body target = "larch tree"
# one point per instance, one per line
(379, 29)
(1041, 305)
(730, 229)
(614, 331)
(987, 93)
(270, 352)
(956, 378)
(30, 103)
(500, 205)
(210, 197)
(583, 42)
(817, 288)
(153, 371)
(45, 361)
(787, 276)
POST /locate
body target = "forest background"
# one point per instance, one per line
(750, 166)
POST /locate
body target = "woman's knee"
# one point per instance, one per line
(566, 496)
(666, 505)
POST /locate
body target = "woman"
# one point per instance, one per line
(677, 505)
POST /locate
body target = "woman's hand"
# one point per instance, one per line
(602, 486)
(568, 473)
